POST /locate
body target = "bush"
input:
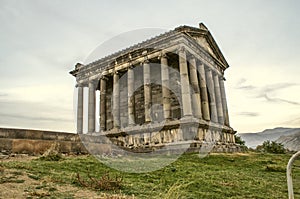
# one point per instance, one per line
(271, 147)
(238, 140)
(52, 154)
(105, 182)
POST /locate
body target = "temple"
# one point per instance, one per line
(167, 89)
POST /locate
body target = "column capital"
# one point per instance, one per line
(191, 56)
(103, 77)
(93, 81)
(181, 49)
(81, 84)
(116, 72)
(208, 69)
(163, 55)
(146, 60)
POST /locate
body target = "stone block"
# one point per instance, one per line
(6, 144)
(33, 147)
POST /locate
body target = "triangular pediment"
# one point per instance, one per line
(204, 44)
(203, 37)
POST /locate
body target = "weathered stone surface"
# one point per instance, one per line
(167, 89)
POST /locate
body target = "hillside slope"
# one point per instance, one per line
(290, 142)
(254, 139)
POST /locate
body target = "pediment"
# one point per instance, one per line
(204, 44)
(203, 37)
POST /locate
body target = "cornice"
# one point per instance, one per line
(153, 45)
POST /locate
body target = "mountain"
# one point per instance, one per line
(254, 139)
(290, 142)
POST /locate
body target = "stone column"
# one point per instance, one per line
(147, 91)
(203, 92)
(91, 108)
(165, 87)
(224, 102)
(80, 110)
(116, 101)
(196, 100)
(218, 99)
(103, 103)
(130, 80)
(184, 81)
(211, 91)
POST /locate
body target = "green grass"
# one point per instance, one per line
(253, 175)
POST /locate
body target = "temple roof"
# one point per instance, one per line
(201, 35)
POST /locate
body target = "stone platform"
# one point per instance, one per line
(36, 142)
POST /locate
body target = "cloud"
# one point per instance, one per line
(292, 122)
(241, 84)
(3, 94)
(247, 87)
(276, 87)
(35, 118)
(23, 113)
(267, 90)
(248, 114)
(279, 100)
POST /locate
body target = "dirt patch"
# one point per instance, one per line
(16, 184)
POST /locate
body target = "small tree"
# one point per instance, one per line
(271, 147)
(238, 140)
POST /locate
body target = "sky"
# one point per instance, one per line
(41, 41)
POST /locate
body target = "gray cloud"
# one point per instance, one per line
(248, 114)
(3, 94)
(279, 100)
(293, 122)
(246, 87)
(35, 118)
(35, 114)
(276, 87)
(241, 84)
(265, 91)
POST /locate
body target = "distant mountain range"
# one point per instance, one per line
(289, 137)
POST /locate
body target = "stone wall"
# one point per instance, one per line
(36, 142)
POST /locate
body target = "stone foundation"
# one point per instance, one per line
(35, 142)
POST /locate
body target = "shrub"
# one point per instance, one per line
(52, 154)
(105, 182)
(271, 147)
(238, 140)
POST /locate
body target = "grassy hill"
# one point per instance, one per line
(254, 139)
(249, 175)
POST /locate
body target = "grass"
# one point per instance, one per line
(250, 175)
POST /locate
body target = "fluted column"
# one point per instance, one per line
(203, 92)
(224, 102)
(91, 108)
(184, 81)
(196, 100)
(147, 91)
(103, 103)
(211, 91)
(218, 99)
(80, 110)
(116, 100)
(130, 82)
(165, 87)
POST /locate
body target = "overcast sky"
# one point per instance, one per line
(40, 42)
